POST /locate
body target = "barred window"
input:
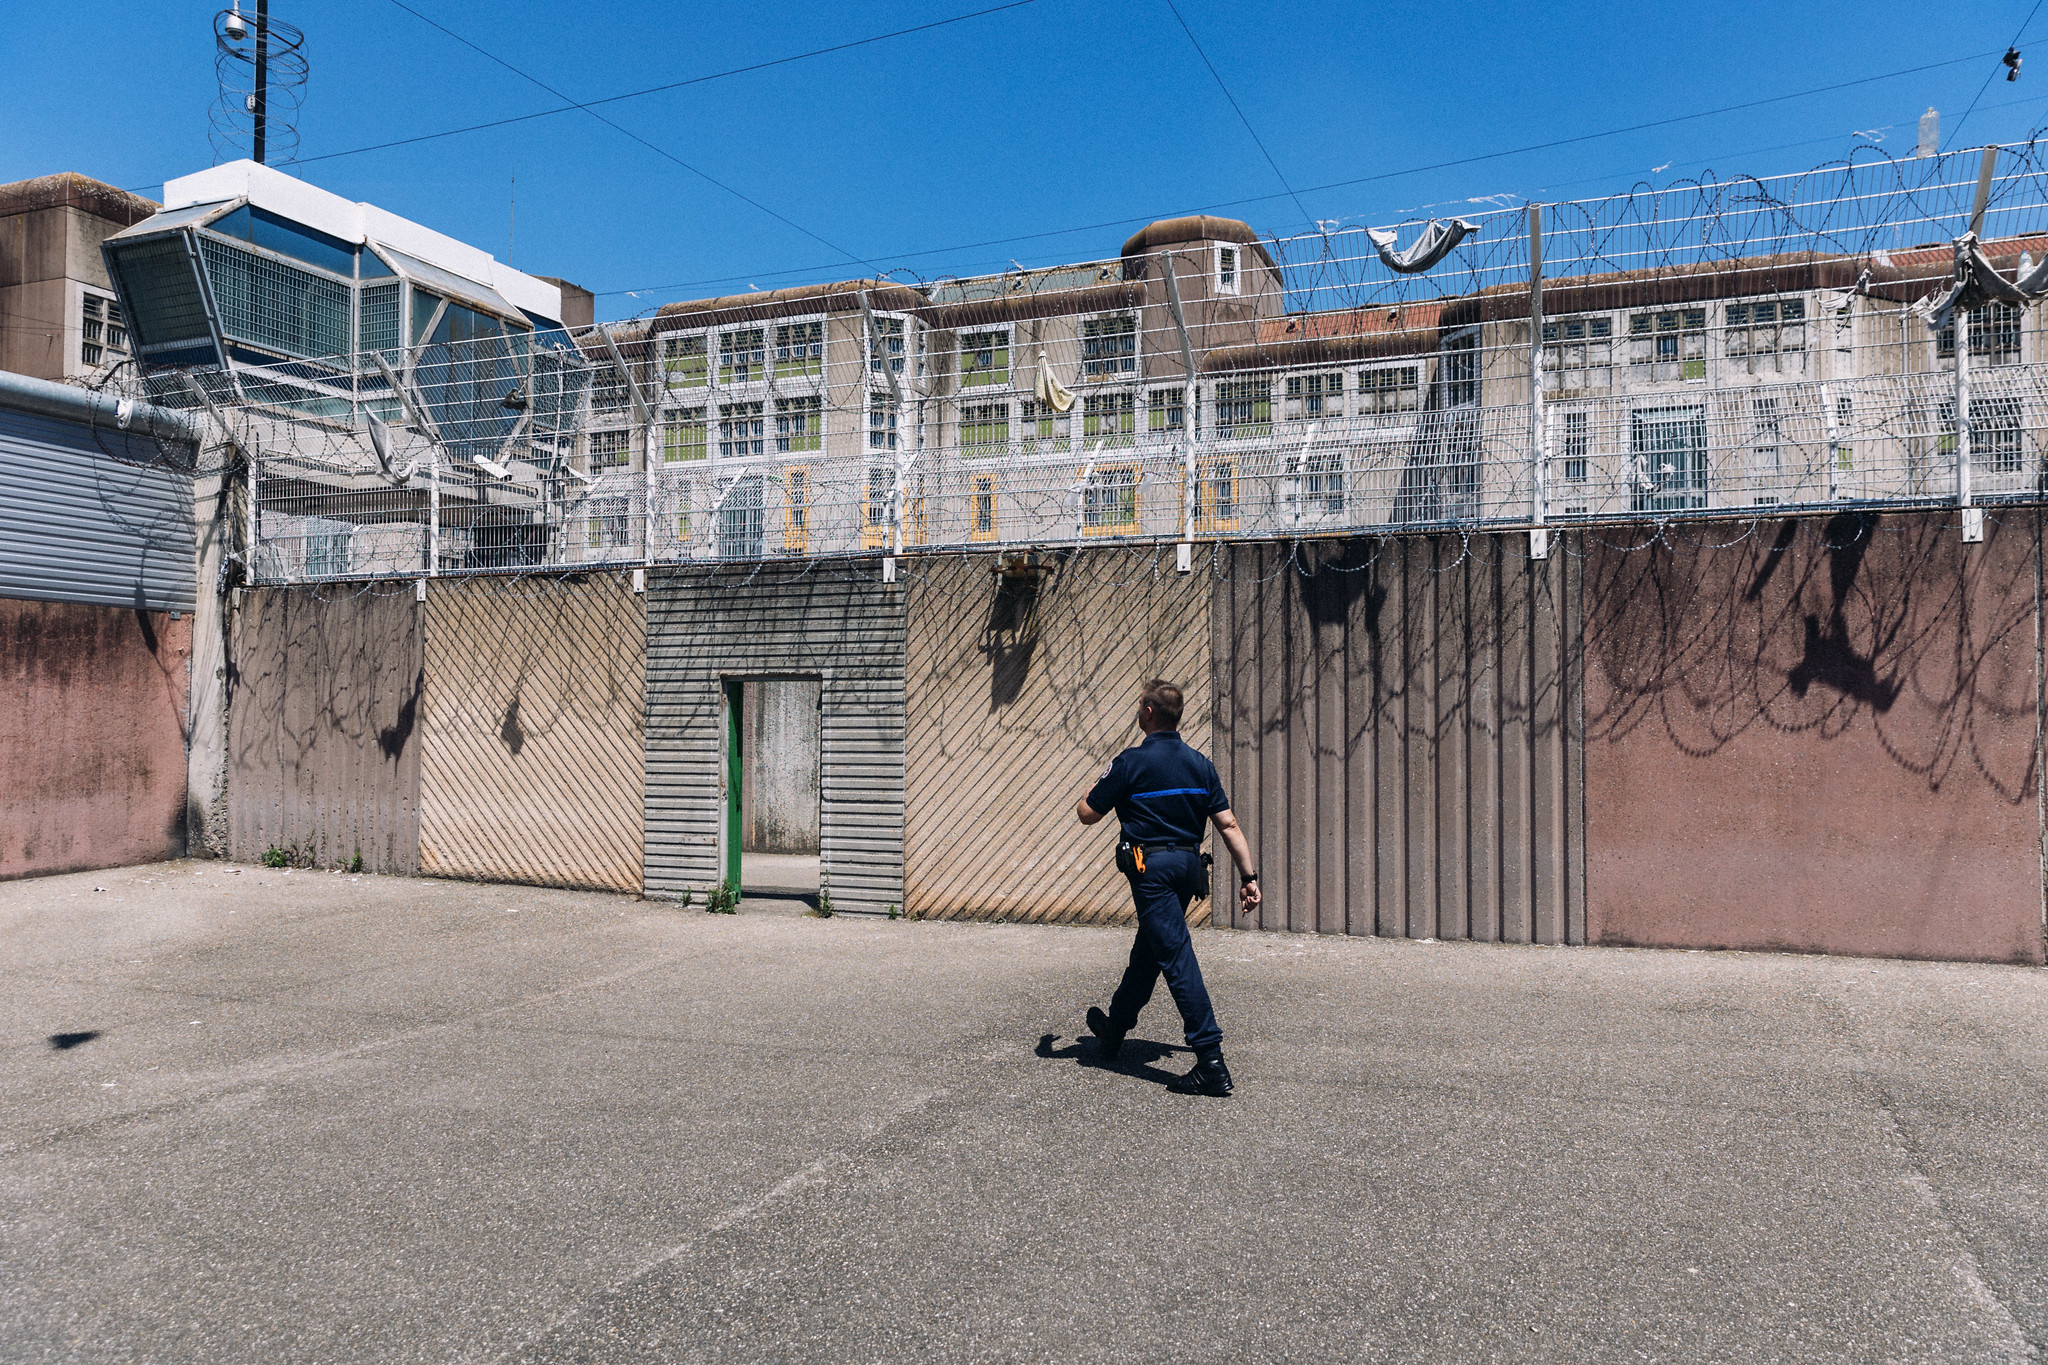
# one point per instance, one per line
(1324, 484)
(881, 422)
(984, 358)
(684, 362)
(277, 306)
(105, 339)
(1109, 346)
(1226, 270)
(984, 513)
(796, 509)
(1043, 429)
(1244, 407)
(1110, 499)
(741, 356)
(1669, 345)
(611, 524)
(739, 517)
(1767, 337)
(686, 435)
(1216, 495)
(1460, 373)
(885, 343)
(1314, 396)
(1578, 356)
(1393, 389)
(799, 349)
(1110, 417)
(742, 430)
(1575, 446)
(610, 449)
(984, 428)
(1166, 410)
(1997, 436)
(1994, 335)
(799, 424)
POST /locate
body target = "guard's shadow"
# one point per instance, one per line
(1135, 1058)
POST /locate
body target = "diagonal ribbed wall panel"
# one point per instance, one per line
(1399, 724)
(1018, 696)
(530, 769)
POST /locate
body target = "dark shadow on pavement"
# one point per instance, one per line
(1135, 1058)
(64, 1042)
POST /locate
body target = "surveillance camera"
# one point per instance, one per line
(236, 27)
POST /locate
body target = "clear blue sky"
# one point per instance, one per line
(958, 149)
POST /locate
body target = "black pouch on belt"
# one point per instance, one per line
(1130, 858)
(1208, 867)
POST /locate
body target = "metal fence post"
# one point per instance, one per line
(1183, 553)
(1539, 445)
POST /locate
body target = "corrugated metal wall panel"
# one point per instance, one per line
(1399, 723)
(93, 515)
(531, 767)
(1018, 698)
(834, 620)
(323, 710)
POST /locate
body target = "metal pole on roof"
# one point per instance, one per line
(262, 106)
(1539, 444)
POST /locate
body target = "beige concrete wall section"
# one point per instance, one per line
(531, 765)
(1018, 696)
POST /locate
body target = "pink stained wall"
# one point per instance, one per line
(92, 736)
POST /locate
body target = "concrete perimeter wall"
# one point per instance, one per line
(1019, 692)
(93, 727)
(1817, 736)
(323, 719)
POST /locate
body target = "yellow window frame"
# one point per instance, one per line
(796, 509)
(1126, 490)
(983, 524)
(1210, 475)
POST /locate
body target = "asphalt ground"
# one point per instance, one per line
(330, 1118)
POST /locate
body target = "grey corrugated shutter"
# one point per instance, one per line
(836, 621)
(92, 515)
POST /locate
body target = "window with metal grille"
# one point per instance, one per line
(740, 517)
(1043, 429)
(1216, 495)
(1459, 376)
(742, 430)
(885, 343)
(1669, 345)
(1226, 270)
(684, 362)
(276, 306)
(796, 509)
(1574, 447)
(799, 349)
(1109, 346)
(1323, 482)
(799, 424)
(1994, 335)
(611, 524)
(1111, 418)
(1166, 411)
(1997, 433)
(1669, 450)
(1244, 407)
(984, 513)
(984, 358)
(875, 506)
(686, 436)
(158, 279)
(377, 320)
(882, 421)
(1311, 397)
(1578, 356)
(742, 356)
(1392, 389)
(1765, 461)
(104, 339)
(1110, 499)
(1767, 337)
(984, 428)
(1845, 445)
(611, 449)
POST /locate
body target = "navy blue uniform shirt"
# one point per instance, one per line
(1163, 791)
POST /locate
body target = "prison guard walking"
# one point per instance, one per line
(1164, 794)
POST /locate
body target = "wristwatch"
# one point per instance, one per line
(1247, 878)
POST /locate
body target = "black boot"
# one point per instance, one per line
(1208, 1077)
(1108, 1037)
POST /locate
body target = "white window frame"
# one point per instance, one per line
(1415, 365)
(1124, 375)
(1229, 274)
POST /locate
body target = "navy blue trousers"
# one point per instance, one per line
(1165, 948)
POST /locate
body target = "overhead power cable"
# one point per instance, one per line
(1339, 184)
(1956, 131)
(663, 152)
(1278, 174)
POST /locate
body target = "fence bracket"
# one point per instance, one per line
(1539, 542)
(1973, 525)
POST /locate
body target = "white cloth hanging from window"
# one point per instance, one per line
(1051, 392)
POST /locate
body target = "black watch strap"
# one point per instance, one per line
(1247, 878)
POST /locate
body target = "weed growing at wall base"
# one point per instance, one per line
(723, 900)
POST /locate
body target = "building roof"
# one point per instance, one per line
(1199, 227)
(69, 189)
